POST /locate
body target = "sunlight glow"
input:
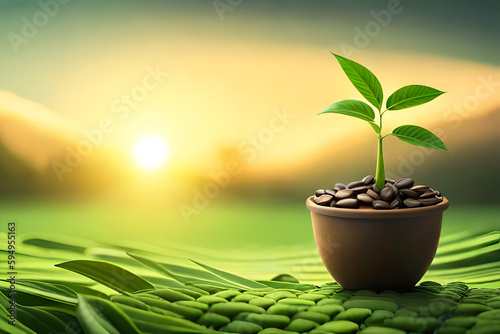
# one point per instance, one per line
(150, 152)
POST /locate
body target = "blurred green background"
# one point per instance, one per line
(233, 89)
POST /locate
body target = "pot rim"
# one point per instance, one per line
(377, 214)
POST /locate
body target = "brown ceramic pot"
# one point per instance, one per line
(377, 249)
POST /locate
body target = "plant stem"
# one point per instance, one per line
(380, 172)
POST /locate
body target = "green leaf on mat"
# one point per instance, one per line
(232, 277)
(100, 316)
(48, 303)
(53, 288)
(185, 275)
(5, 327)
(38, 293)
(53, 245)
(39, 320)
(108, 274)
(151, 322)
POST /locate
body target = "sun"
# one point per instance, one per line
(150, 152)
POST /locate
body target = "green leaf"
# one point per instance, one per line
(375, 127)
(56, 289)
(185, 275)
(5, 318)
(419, 136)
(35, 318)
(5, 327)
(100, 316)
(53, 245)
(363, 79)
(42, 294)
(244, 282)
(469, 244)
(108, 274)
(411, 96)
(44, 303)
(352, 108)
(39, 320)
(152, 322)
(84, 290)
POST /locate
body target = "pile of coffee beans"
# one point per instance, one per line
(398, 194)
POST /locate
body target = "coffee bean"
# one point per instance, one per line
(324, 199)
(355, 184)
(404, 183)
(387, 194)
(378, 204)
(409, 193)
(372, 194)
(348, 203)
(415, 188)
(320, 192)
(428, 195)
(330, 192)
(420, 189)
(344, 193)
(394, 189)
(369, 179)
(394, 204)
(411, 203)
(359, 190)
(395, 195)
(430, 201)
(365, 198)
(339, 186)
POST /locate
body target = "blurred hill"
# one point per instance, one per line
(32, 138)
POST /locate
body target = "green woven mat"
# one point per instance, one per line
(136, 288)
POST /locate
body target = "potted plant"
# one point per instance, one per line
(377, 233)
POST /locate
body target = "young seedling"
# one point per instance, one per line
(406, 97)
